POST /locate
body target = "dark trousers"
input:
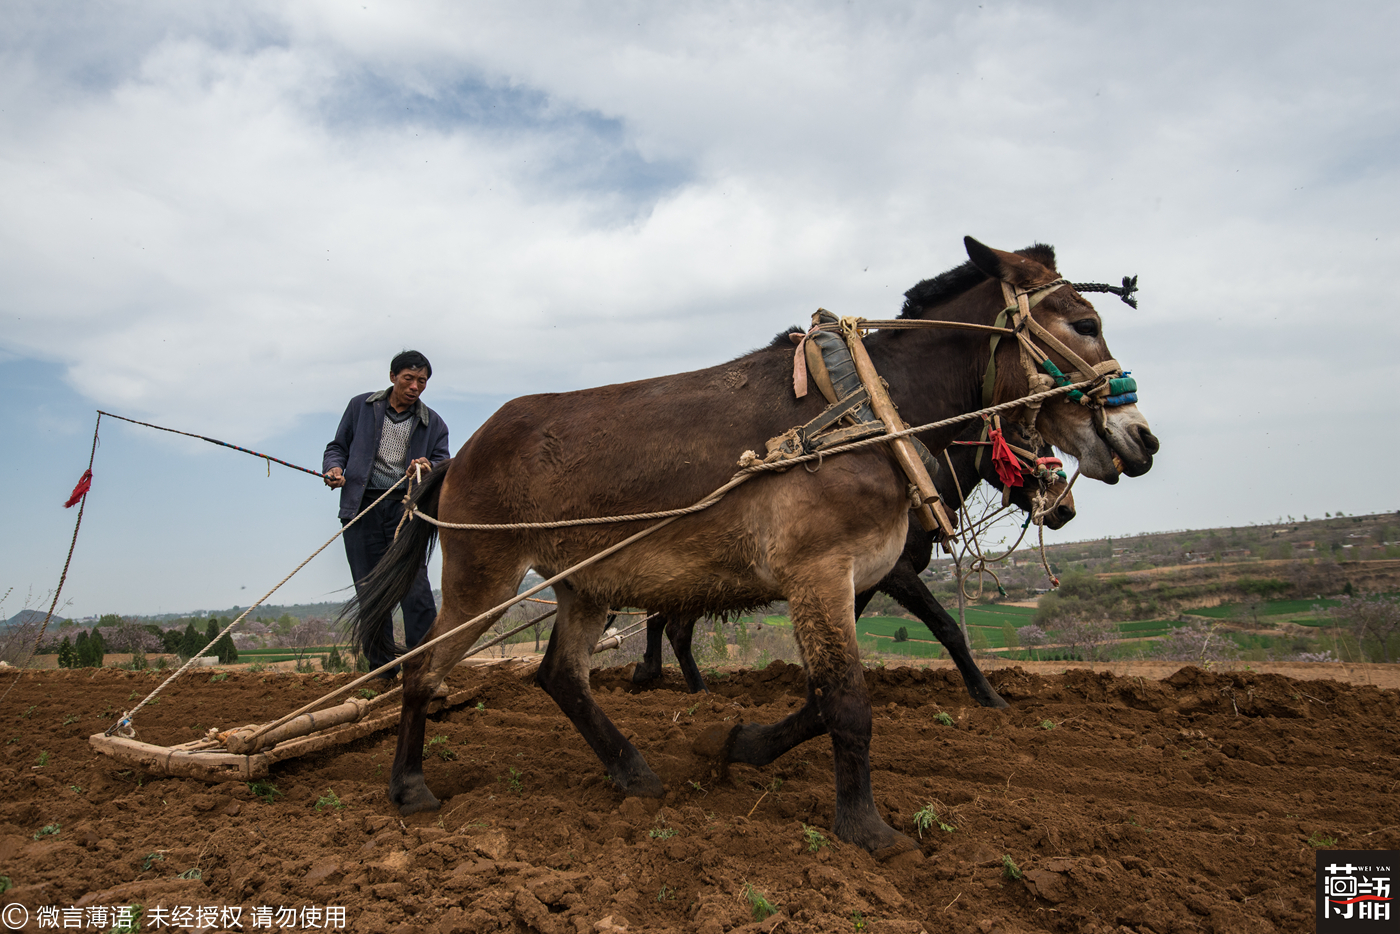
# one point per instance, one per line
(365, 544)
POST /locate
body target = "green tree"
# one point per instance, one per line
(171, 640)
(97, 649)
(901, 634)
(225, 649)
(80, 650)
(1009, 638)
(191, 642)
(67, 658)
(111, 620)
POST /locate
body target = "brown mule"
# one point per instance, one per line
(813, 537)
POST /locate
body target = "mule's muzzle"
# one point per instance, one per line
(1060, 516)
(1147, 442)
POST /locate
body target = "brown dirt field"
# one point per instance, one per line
(1151, 806)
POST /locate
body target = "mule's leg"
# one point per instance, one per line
(681, 632)
(823, 619)
(904, 585)
(564, 676)
(649, 668)
(466, 590)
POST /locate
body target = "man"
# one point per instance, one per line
(383, 436)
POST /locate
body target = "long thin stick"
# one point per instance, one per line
(173, 431)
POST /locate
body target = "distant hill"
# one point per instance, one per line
(25, 616)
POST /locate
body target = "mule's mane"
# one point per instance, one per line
(949, 285)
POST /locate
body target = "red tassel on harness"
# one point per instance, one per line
(1008, 467)
(80, 490)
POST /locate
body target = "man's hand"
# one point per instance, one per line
(423, 462)
(334, 478)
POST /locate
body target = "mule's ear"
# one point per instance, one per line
(983, 257)
(1013, 268)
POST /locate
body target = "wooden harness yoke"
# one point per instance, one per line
(860, 407)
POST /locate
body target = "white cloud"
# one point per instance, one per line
(227, 219)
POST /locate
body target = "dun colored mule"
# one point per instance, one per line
(814, 537)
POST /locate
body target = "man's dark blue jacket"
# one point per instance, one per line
(357, 441)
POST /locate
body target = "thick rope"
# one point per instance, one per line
(124, 724)
(666, 518)
(498, 608)
(751, 470)
(82, 504)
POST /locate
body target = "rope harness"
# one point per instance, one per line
(1089, 385)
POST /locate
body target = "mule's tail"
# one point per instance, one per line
(371, 611)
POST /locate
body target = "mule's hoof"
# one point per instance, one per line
(715, 742)
(642, 675)
(415, 798)
(642, 786)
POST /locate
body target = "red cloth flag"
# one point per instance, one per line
(1007, 466)
(80, 490)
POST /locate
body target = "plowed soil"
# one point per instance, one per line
(1195, 803)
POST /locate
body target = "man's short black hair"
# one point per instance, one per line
(409, 360)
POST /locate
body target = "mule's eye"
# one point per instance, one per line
(1088, 327)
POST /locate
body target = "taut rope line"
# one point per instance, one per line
(666, 518)
(752, 469)
(124, 724)
(173, 431)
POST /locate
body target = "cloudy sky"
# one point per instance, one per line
(227, 218)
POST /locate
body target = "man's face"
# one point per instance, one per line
(408, 386)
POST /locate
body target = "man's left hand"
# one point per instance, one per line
(422, 462)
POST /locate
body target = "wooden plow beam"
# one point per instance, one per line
(204, 759)
(235, 755)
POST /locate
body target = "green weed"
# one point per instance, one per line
(514, 784)
(1319, 841)
(667, 894)
(25, 715)
(926, 817)
(52, 830)
(690, 711)
(437, 746)
(662, 833)
(858, 922)
(1009, 869)
(43, 758)
(814, 838)
(943, 718)
(5, 884)
(265, 790)
(367, 693)
(221, 676)
(1047, 724)
(156, 857)
(193, 873)
(77, 788)
(71, 718)
(759, 905)
(329, 800)
(480, 705)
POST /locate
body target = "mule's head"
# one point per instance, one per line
(1042, 485)
(1106, 440)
